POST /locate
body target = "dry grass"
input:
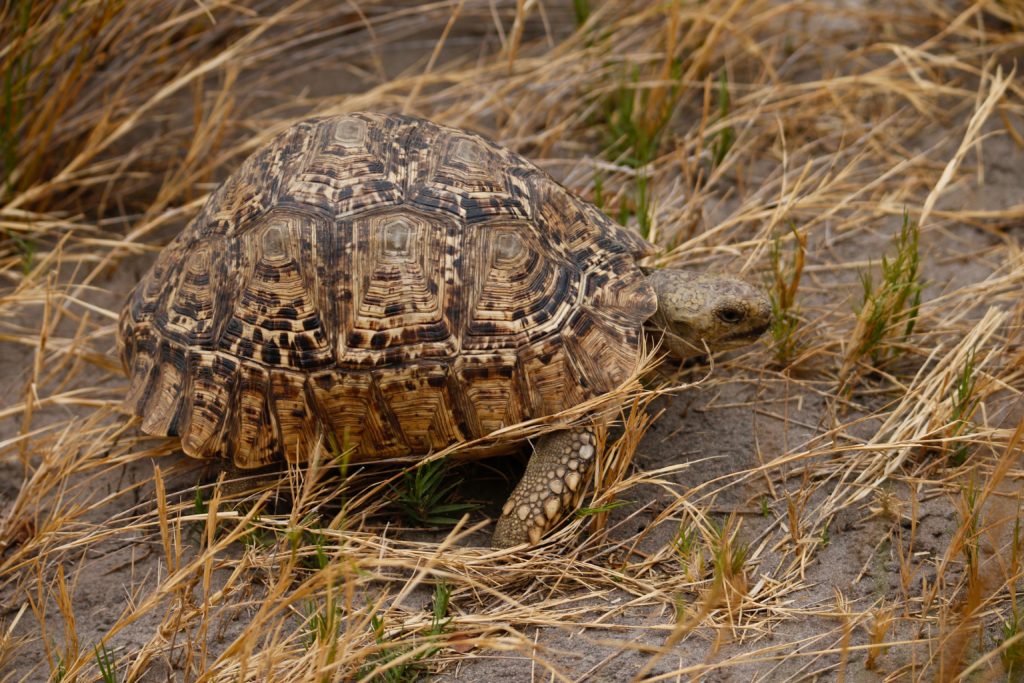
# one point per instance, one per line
(784, 140)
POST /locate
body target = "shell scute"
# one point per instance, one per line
(208, 408)
(353, 165)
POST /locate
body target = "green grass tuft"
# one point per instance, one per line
(965, 401)
(313, 537)
(581, 10)
(607, 507)
(691, 552)
(61, 668)
(786, 273)
(888, 312)
(685, 540)
(970, 496)
(725, 137)
(105, 661)
(198, 502)
(729, 556)
(635, 118)
(27, 249)
(323, 625)
(1013, 654)
(412, 669)
(423, 495)
(16, 67)
(441, 599)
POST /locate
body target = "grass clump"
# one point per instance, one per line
(1012, 642)
(105, 662)
(782, 291)
(16, 65)
(878, 628)
(964, 402)
(404, 662)
(308, 534)
(888, 310)
(729, 560)
(1012, 631)
(60, 669)
(970, 523)
(424, 493)
(581, 11)
(690, 552)
(634, 118)
(324, 626)
(723, 140)
(26, 248)
(599, 509)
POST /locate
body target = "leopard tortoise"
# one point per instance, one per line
(404, 286)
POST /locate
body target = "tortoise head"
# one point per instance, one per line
(698, 313)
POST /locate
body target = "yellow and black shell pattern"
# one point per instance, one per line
(395, 283)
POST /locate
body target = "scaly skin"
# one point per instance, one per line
(553, 475)
(696, 314)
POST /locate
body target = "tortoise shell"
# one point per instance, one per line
(393, 283)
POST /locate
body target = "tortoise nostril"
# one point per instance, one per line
(730, 315)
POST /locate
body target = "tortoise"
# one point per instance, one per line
(404, 286)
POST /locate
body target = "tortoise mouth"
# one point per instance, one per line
(748, 335)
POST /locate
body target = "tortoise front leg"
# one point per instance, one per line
(553, 474)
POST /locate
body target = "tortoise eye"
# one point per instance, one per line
(730, 315)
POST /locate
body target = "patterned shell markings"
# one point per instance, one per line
(400, 284)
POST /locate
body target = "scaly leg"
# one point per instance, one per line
(553, 474)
